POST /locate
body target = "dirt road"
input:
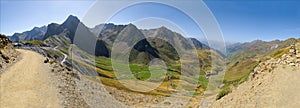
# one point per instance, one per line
(277, 89)
(27, 84)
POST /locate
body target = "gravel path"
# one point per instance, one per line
(27, 83)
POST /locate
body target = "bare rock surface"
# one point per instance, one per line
(8, 55)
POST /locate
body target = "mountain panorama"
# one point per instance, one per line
(59, 66)
(105, 34)
(101, 31)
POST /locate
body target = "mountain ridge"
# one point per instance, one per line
(71, 23)
(36, 33)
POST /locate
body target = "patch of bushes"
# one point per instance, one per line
(34, 42)
(226, 90)
(280, 52)
(52, 61)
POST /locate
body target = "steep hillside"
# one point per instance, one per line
(142, 52)
(64, 34)
(198, 44)
(173, 38)
(243, 58)
(273, 83)
(8, 54)
(68, 27)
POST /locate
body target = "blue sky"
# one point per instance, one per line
(19, 16)
(250, 20)
(239, 21)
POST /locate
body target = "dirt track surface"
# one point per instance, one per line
(277, 89)
(27, 83)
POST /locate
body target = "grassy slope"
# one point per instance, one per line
(243, 61)
(107, 77)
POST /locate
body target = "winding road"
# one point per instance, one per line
(65, 58)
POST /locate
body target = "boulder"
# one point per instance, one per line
(46, 60)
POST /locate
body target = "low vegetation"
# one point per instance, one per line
(226, 90)
(32, 42)
(280, 52)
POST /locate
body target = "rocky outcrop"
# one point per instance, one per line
(292, 58)
(8, 54)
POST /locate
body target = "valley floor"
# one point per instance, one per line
(27, 83)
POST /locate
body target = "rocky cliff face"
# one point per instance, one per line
(8, 54)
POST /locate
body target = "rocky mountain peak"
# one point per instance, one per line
(53, 29)
(164, 29)
(131, 26)
(130, 34)
(198, 44)
(43, 29)
(69, 27)
(72, 18)
(71, 22)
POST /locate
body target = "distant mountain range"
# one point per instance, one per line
(105, 31)
(37, 33)
(105, 34)
(98, 41)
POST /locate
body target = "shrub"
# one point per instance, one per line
(53, 61)
(33, 42)
(224, 92)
